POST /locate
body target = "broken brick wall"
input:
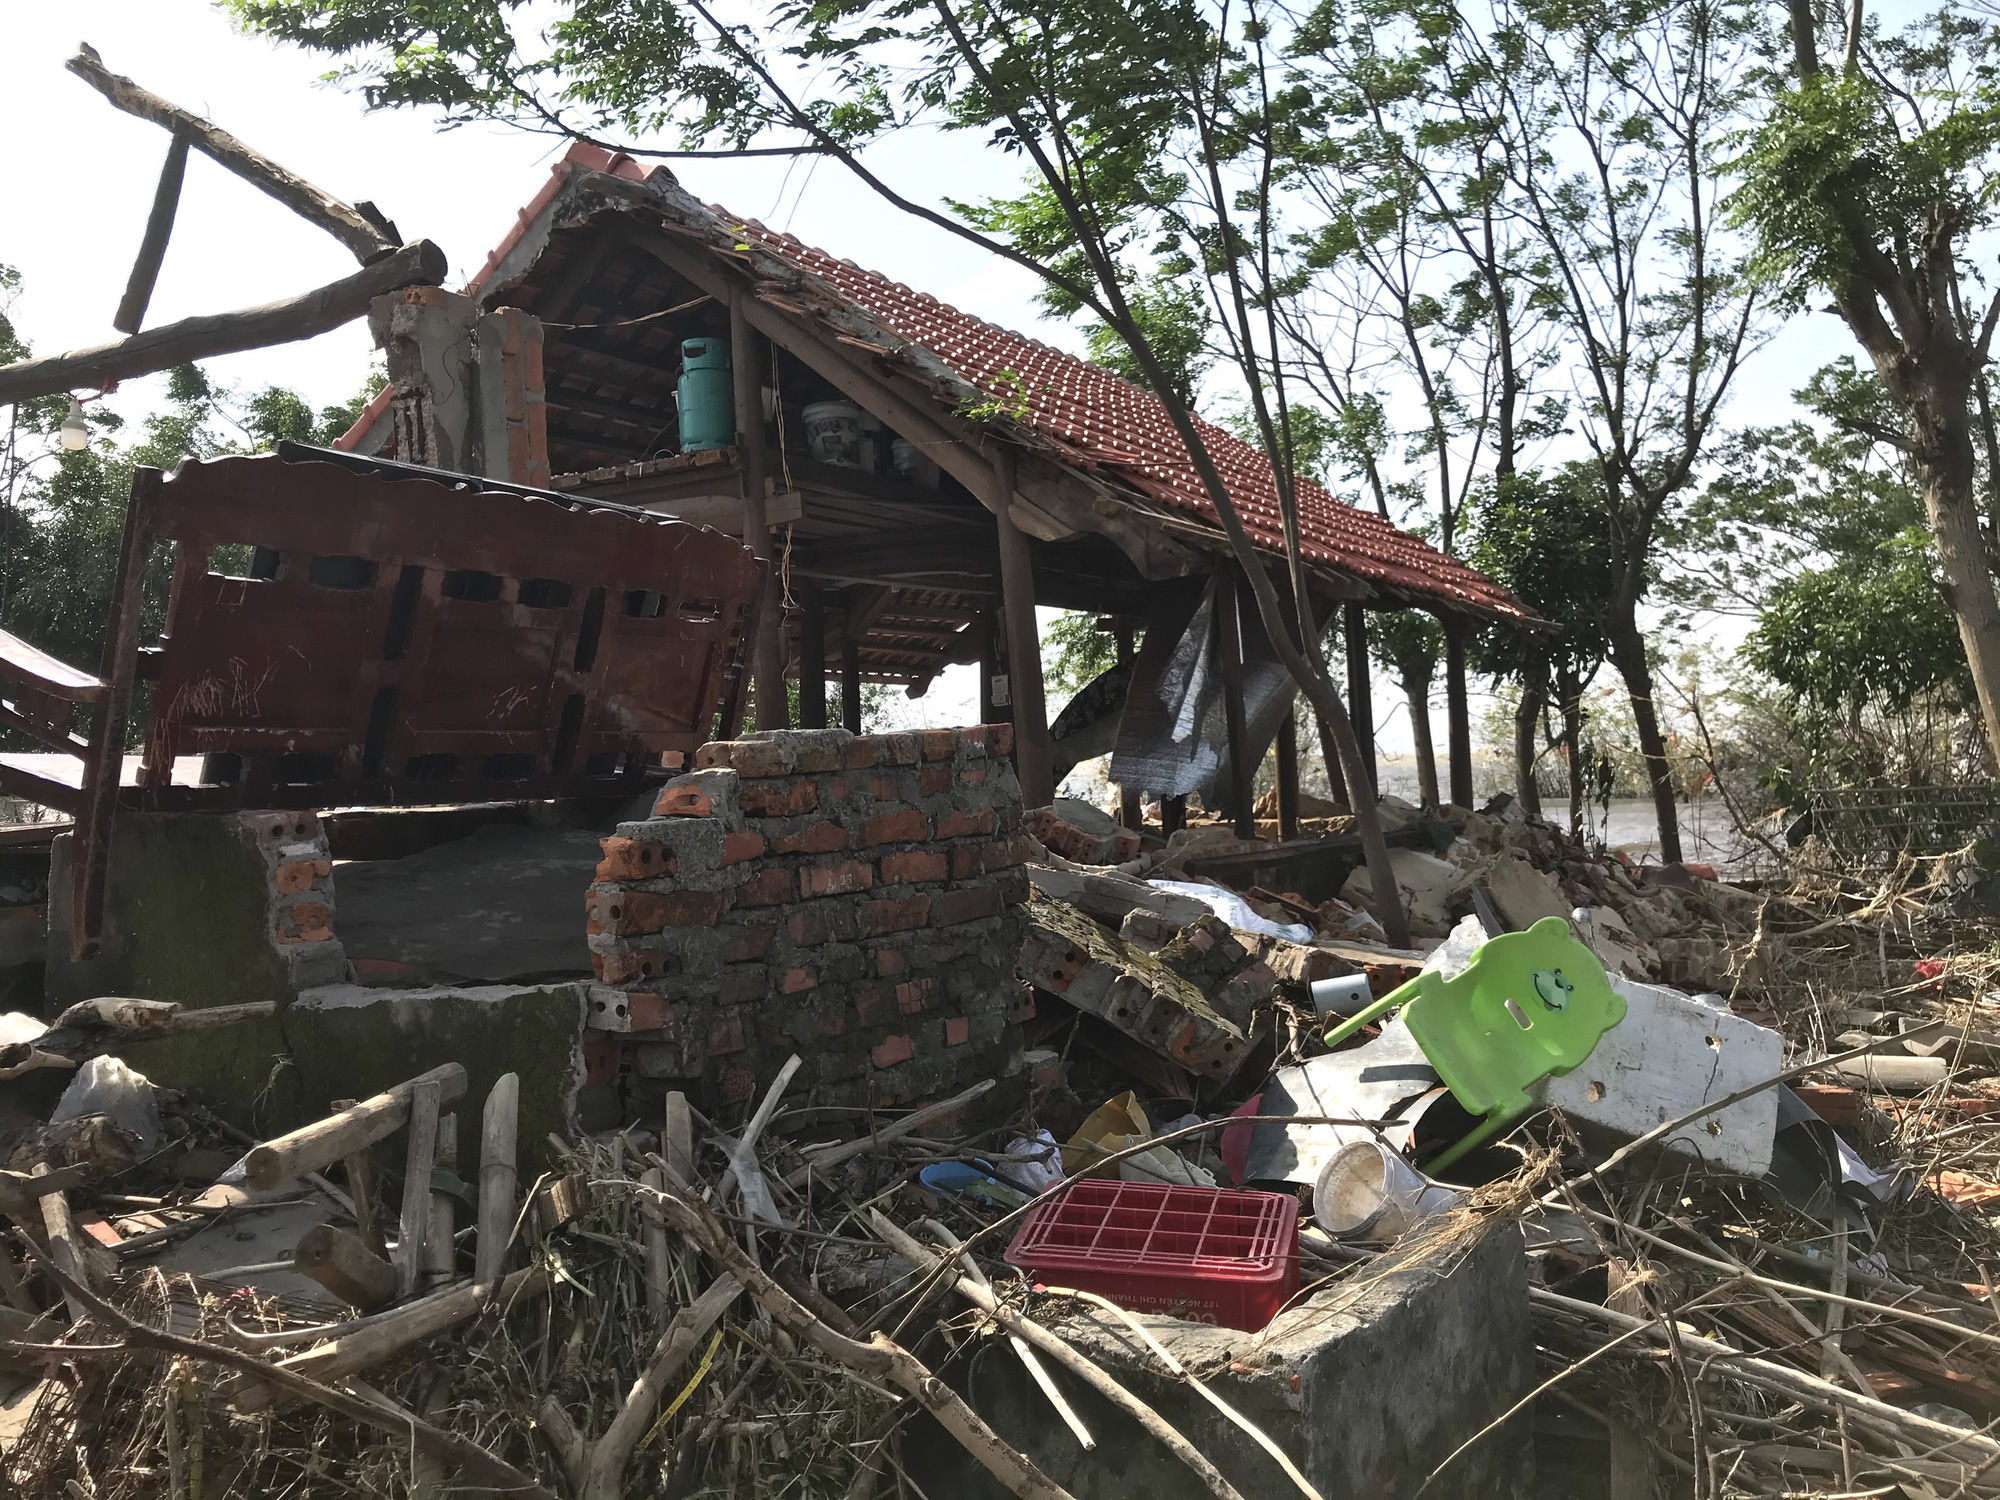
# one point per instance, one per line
(851, 899)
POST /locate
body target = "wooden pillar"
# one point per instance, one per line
(989, 666)
(850, 685)
(812, 657)
(1131, 799)
(1458, 715)
(1034, 758)
(1229, 643)
(767, 652)
(1288, 777)
(1173, 815)
(1360, 691)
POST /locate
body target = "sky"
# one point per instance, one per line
(77, 199)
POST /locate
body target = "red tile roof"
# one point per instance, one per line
(1098, 420)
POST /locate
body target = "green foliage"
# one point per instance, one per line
(1074, 651)
(1546, 536)
(1174, 317)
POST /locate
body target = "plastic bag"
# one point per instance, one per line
(1234, 910)
(105, 1086)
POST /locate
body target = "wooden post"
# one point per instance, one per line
(413, 1228)
(989, 665)
(812, 657)
(1034, 758)
(1131, 799)
(498, 1178)
(1360, 695)
(767, 652)
(65, 1248)
(1458, 716)
(315, 1147)
(1632, 1472)
(1229, 646)
(343, 1263)
(440, 1246)
(1288, 777)
(153, 245)
(850, 685)
(1173, 815)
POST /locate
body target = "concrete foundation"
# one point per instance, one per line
(1366, 1388)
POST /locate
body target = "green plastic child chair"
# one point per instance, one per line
(1531, 1005)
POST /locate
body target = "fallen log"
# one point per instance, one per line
(340, 1261)
(302, 317)
(385, 1337)
(315, 1147)
(315, 205)
(153, 244)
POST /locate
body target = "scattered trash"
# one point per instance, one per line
(1366, 1191)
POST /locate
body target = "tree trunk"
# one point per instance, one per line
(1628, 654)
(1417, 687)
(1571, 692)
(1528, 747)
(1947, 480)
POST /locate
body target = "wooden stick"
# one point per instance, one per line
(310, 203)
(1030, 1361)
(833, 1156)
(1064, 1354)
(880, 1357)
(153, 246)
(64, 1248)
(498, 1179)
(659, 1259)
(341, 1262)
(677, 1137)
(315, 1147)
(414, 1227)
(383, 1338)
(440, 1243)
(603, 1478)
(360, 1174)
(743, 1168)
(305, 316)
(494, 1471)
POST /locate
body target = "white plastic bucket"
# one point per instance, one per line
(834, 433)
(1368, 1192)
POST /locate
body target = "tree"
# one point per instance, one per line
(1410, 644)
(1868, 184)
(1547, 537)
(1148, 129)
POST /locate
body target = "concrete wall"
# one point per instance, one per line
(850, 899)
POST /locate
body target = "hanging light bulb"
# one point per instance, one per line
(75, 436)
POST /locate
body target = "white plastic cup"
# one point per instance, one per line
(1368, 1192)
(1345, 995)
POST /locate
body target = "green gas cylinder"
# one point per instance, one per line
(707, 397)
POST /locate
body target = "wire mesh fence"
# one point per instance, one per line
(1867, 827)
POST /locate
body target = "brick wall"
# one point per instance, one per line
(850, 899)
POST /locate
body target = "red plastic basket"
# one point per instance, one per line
(1205, 1254)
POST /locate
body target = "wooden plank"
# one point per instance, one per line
(314, 1147)
(35, 667)
(414, 1226)
(153, 243)
(1034, 756)
(498, 1177)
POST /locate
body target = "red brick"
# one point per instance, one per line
(973, 739)
(644, 1012)
(965, 861)
(999, 739)
(714, 755)
(772, 888)
(758, 758)
(627, 912)
(751, 941)
(875, 1004)
(633, 859)
(673, 760)
(879, 917)
(737, 1085)
(600, 1061)
(842, 879)
(739, 847)
(819, 757)
(913, 865)
(940, 744)
(832, 1020)
(968, 905)
(798, 981)
(901, 749)
(973, 776)
(683, 802)
(862, 752)
(912, 995)
(726, 1035)
(892, 1050)
(779, 799)
(957, 1031)
(298, 874)
(885, 789)
(1006, 853)
(624, 964)
(905, 827)
(934, 781)
(890, 961)
(972, 822)
(817, 838)
(305, 922)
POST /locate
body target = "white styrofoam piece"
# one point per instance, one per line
(1667, 1058)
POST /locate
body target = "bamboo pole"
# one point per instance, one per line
(414, 1226)
(498, 1178)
